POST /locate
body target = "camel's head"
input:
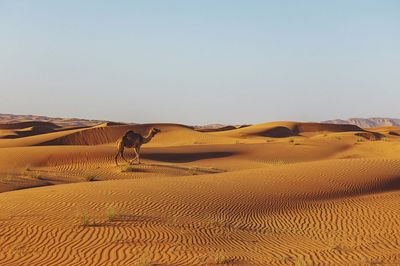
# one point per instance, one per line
(154, 130)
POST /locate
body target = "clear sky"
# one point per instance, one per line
(198, 62)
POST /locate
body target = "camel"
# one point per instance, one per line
(133, 140)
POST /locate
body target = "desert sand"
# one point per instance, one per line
(282, 193)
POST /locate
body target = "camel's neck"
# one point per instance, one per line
(148, 137)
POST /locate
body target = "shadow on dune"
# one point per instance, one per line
(185, 157)
(394, 133)
(278, 132)
(134, 168)
(391, 185)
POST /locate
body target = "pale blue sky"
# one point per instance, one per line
(199, 62)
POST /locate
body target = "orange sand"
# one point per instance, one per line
(281, 193)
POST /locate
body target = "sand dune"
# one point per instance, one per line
(287, 129)
(388, 131)
(281, 193)
(172, 135)
(24, 129)
(64, 122)
(21, 125)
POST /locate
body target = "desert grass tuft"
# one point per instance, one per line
(5, 178)
(145, 259)
(220, 259)
(38, 177)
(131, 169)
(110, 214)
(85, 220)
(192, 171)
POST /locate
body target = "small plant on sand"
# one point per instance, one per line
(110, 214)
(144, 262)
(129, 169)
(221, 259)
(192, 171)
(291, 140)
(276, 162)
(5, 178)
(145, 259)
(38, 177)
(301, 262)
(90, 178)
(366, 260)
(85, 220)
(359, 141)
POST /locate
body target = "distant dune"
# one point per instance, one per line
(70, 122)
(217, 127)
(290, 129)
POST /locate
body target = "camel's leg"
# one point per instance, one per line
(121, 147)
(116, 158)
(136, 156)
(133, 159)
(122, 154)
